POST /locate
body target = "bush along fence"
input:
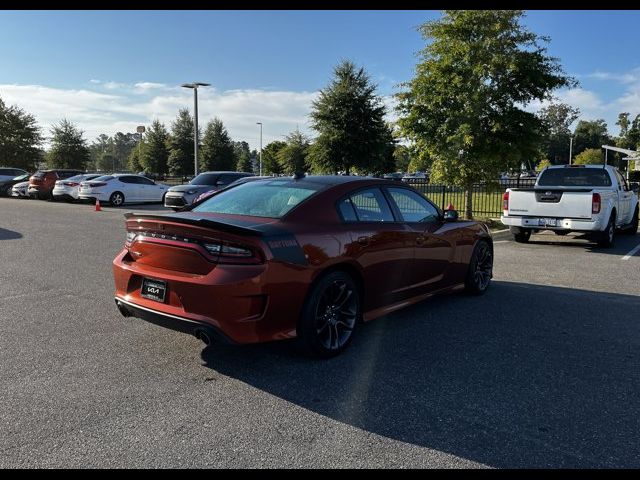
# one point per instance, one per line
(486, 198)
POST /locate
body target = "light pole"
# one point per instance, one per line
(195, 86)
(260, 169)
(570, 148)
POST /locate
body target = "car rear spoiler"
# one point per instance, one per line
(229, 226)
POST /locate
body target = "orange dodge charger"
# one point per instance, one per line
(302, 257)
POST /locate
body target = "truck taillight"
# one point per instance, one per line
(595, 203)
(505, 201)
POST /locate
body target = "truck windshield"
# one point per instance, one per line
(574, 177)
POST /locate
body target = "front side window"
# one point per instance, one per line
(413, 207)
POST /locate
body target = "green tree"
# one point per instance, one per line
(465, 105)
(243, 156)
(68, 148)
(133, 162)
(544, 163)
(402, 158)
(270, 163)
(180, 144)
(590, 156)
(556, 120)
(122, 146)
(590, 134)
(154, 155)
(293, 156)
(349, 119)
(20, 138)
(217, 148)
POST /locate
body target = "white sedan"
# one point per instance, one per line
(20, 190)
(68, 189)
(118, 189)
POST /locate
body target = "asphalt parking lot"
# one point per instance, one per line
(542, 371)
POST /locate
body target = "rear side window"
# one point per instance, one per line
(574, 177)
(144, 181)
(347, 212)
(128, 179)
(371, 206)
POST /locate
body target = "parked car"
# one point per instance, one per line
(20, 190)
(119, 189)
(305, 257)
(593, 199)
(240, 181)
(181, 195)
(394, 176)
(42, 182)
(7, 184)
(69, 189)
(9, 173)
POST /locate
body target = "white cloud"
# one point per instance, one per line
(149, 85)
(124, 107)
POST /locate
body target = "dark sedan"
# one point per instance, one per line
(182, 195)
(7, 184)
(306, 258)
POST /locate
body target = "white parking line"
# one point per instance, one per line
(631, 253)
(500, 231)
(502, 241)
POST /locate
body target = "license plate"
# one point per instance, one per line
(547, 222)
(153, 289)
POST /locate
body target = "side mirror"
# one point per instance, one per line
(450, 215)
(634, 187)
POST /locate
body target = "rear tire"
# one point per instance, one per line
(480, 269)
(633, 227)
(607, 237)
(522, 236)
(330, 316)
(116, 199)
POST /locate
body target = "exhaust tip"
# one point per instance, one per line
(204, 336)
(124, 311)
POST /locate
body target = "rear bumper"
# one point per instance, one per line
(540, 223)
(172, 322)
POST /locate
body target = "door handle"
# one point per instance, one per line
(420, 240)
(364, 241)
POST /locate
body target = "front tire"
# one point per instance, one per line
(480, 269)
(633, 227)
(116, 199)
(330, 316)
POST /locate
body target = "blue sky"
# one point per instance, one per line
(110, 71)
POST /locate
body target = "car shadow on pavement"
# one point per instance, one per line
(525, 376)
(623, 243)
(9, 234)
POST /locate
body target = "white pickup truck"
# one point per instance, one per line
(594, 199)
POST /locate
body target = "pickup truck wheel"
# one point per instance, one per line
(522, 236)
(607, 238)
(633, 227)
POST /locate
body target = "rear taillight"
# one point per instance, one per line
(228, 251)
(595, 203)
(97, 184)
(505, 201)
(70, 184)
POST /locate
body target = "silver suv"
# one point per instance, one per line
(183, 195)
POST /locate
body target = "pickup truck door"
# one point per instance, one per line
(625, 197)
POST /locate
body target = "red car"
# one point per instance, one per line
(306, 257)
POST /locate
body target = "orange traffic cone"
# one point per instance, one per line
(98, 207)
(450, 206)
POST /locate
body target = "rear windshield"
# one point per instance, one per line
(77, 178)
(104, 178)
(259, 199)
(574, 177)
(205, 179)
(39, 174)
